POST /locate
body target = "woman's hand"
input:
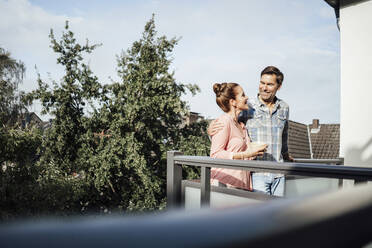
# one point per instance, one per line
(254, 150)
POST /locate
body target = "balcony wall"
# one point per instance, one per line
(224, 197)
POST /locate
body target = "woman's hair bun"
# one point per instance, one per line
(219, 88)
(224, 92)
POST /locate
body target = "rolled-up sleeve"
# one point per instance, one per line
(220, 141)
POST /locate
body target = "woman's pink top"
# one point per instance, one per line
(232, 138)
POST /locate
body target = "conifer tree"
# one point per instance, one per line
(144, 116)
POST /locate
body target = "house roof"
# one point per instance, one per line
(324, 142)
(34, 117)
(298, 140)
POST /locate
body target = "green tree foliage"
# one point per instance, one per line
(11, 75)
(18, 148)
(66, 101)
(144, 115)
(193, 140)
(114, 158)
(64, 144)
(18, 174)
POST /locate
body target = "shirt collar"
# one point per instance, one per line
(261, 104)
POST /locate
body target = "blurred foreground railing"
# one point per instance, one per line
(175, 160)
(337, 219)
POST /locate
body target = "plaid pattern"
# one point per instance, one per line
(270, 129)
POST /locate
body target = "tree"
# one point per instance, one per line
(114, 158)
(63, 145)
(66, 102)
(18, 148)
(19, 190)
(193, 140)
(144, 115)
(11, 75)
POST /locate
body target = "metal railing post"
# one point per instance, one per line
(205, 190)
(340, 180)
(360, 181)
(174, 179)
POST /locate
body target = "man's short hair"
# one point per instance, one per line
(272, 70)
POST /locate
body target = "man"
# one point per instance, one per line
(267, 122)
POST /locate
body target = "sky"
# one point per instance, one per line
(220, 41)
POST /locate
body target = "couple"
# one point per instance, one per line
(265, 122)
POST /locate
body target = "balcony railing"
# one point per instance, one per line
(335, 219)
(176, 159)
(335, 161)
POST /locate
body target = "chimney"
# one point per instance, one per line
(315, 123)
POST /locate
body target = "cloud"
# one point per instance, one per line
(221, 41)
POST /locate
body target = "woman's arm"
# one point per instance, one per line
(253, 150)
(221, 139)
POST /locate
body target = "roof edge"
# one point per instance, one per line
(337, 4)
(333, 3)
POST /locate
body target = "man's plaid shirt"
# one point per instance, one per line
(271, 129)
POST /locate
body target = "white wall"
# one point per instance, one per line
(218, 200)
(356, 84)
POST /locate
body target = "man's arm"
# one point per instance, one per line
(214, 127)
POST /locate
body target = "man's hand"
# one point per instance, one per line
(214, 127)
(288, 158)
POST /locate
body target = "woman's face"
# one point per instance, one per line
(241, 100)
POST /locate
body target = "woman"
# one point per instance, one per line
(232, 142)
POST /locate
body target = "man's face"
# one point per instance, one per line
(268, 87)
